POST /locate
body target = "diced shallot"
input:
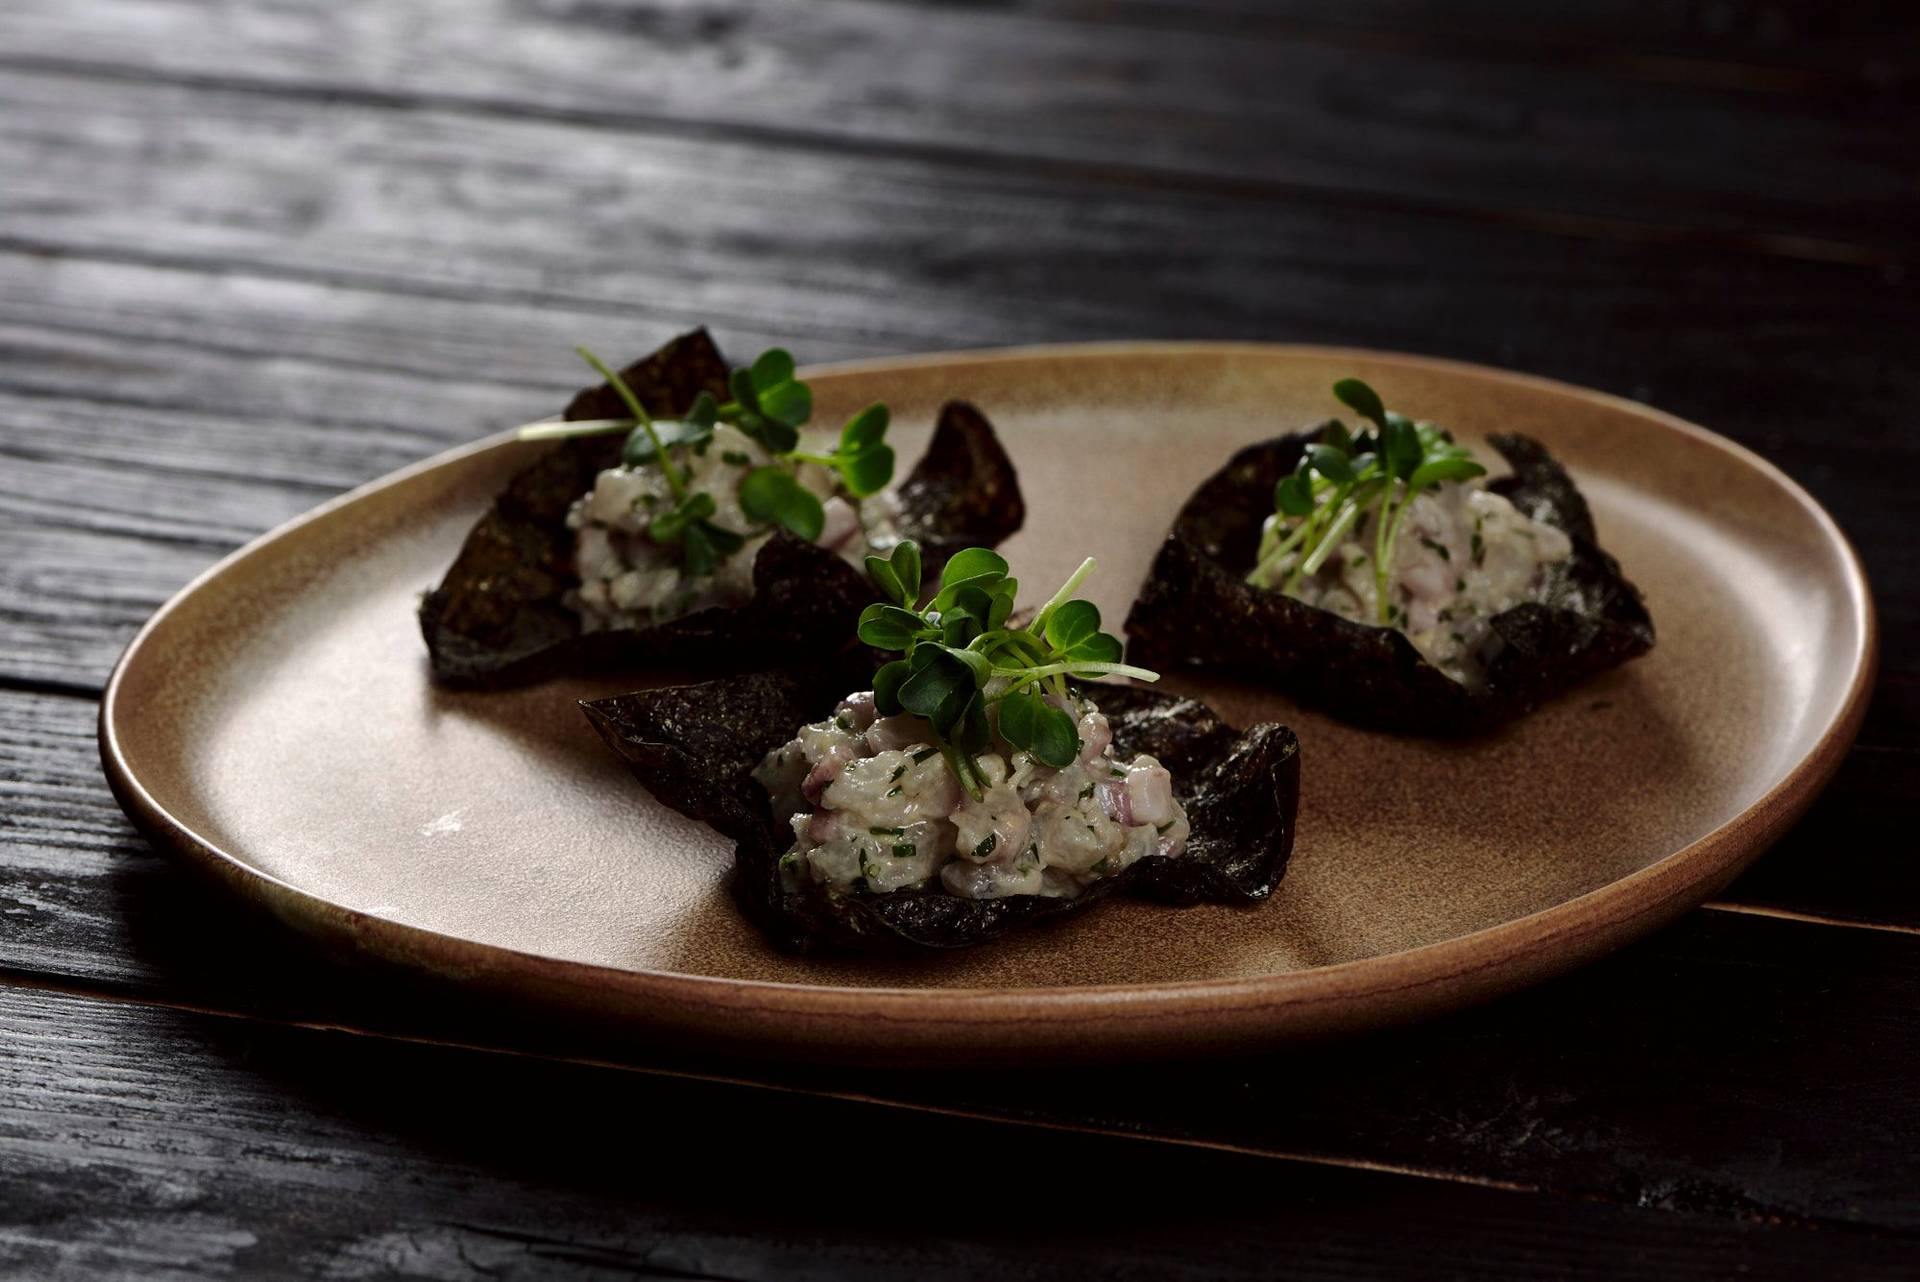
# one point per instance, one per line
(1149, 794)
(826, 770)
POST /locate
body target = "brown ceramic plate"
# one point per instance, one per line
(274, 724)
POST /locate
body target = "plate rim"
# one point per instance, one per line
(1516, 951)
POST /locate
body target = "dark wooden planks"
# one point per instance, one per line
(1850, 857)
(1259, 102)
(253, 392)
(178, 293)
(87, 901)
(1733, 1064)
(165, 1143)
(349, 268)
(1758, 45)
(300, 347)
(65, 313)
(885, 253)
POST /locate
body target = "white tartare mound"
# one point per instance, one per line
(1464, 555)
(875, 808)
(629, 581)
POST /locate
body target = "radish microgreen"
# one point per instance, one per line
(1344, 477)
(959, 658)
(768, 405)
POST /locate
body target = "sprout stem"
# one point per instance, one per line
(1027, 676)
(554, 429)
(1320, 543)
(1380, 572)
(1074, 580)
(619, 385)
(1337, 531)
(1392, 540)
(1261, 576)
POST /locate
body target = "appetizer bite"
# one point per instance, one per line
(974, 783)
(681, 516)
(1383, 576)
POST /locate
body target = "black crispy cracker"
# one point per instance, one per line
(962, 493)
(695, 748)
(1196, 609)
(499, 618)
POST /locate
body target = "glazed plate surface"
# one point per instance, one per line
(274, 724)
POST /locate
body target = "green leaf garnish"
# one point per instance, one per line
(881, 571)
(1101, 647)
(643, 447)
(772, 368)
(868, 472)
(863, 459)
(770, 406)
(699, 554)
(1342, 477)
(886, 687)
(704, 545)
(972, 563)
(1330, 462)
(959, 648)
(1071, 624)
(769, 403)
(979, 567)
(929, 691)
(906, 567)
(1400, 448)
(745, 394)
(1293, 494)
(1361, 399)
(671, 525)
(1452, 468)
(790, 403)
(1030, 722)
(888, 627)
(772, 494)
(864, 430)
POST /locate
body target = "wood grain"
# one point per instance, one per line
(1252, 105)
(253, 393)
(252, 254)
(1865, 44)
(537, 212)
(170, 1144)
(1537, 1082)
(361, 376)
(346, 268)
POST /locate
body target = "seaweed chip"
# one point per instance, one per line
(500, 618)
(695, 747)
(1196, 609)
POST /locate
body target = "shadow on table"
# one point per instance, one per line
(1675, 1074)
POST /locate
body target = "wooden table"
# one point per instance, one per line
(253, 253)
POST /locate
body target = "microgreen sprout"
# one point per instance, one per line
(645, 420)
(959, 657)
(1344, 476)
(769, 405)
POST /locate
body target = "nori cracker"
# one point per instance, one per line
(695, 747)
(499, 618)
(1197, 610)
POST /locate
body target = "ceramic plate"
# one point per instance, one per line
(274, 723)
